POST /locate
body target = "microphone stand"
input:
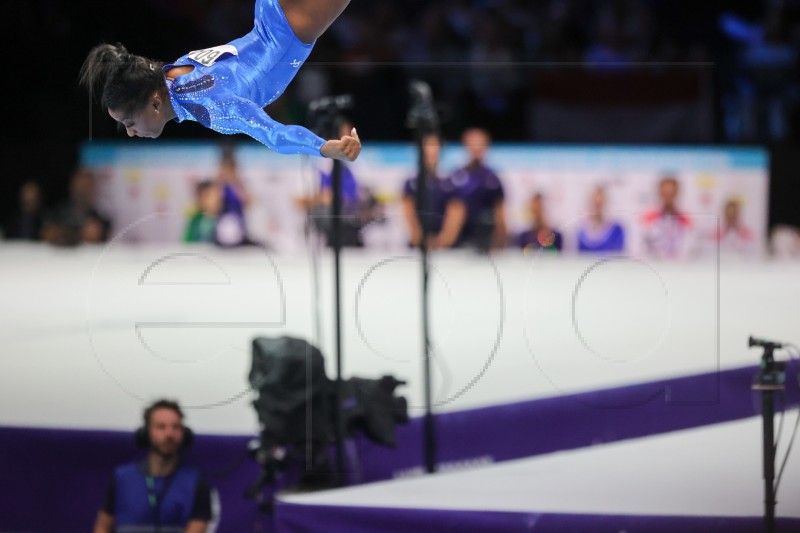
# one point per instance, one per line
(769, 380)
(328, 121)
(422, 118)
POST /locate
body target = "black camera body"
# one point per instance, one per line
(297, 409)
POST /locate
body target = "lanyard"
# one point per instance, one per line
(157, 498)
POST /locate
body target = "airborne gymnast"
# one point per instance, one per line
(224, 88)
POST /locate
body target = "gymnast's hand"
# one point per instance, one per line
(347, 148)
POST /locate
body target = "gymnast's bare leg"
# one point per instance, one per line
(310, 18)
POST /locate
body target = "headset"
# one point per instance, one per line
(142, 434)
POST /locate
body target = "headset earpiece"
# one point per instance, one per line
(141, 438)
(188, 438)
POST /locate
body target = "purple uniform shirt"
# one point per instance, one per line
(439, 192)
(481, 191)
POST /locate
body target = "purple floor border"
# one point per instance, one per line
(524, 429)
(69, 469)
(296, 518)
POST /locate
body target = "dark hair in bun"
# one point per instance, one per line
(124, 81)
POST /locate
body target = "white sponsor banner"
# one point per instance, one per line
(138, 180)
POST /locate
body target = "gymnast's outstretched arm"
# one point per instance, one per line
(243, 116)
(310, 18)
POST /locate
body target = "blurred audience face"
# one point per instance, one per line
(93, 231)
(82, 187)
(668, 192)
(166, 431)
(476, 141)
(538, 211)
(732, 211)
(209, 199)
(227, 170)
(30, 197)
(431, 147)
(597, 203)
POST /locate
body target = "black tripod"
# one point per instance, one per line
(423, 119)
(326, 117)
(769, 380)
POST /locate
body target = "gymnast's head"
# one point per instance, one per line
(131, 88)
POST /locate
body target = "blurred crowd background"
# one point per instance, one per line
(655, 72)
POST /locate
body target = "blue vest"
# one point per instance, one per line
(162, 504)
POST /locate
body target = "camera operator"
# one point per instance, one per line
(160, 494)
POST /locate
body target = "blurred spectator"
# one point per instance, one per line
(609, 44)
(622, 34)
(784, 242)
(94, 230)
(359, 206)
(319, 207)
(667, 231)
(733, 237)
(540, 236)
(494, 80)
(368, 68)
(231, 223)
(441, 208)
(26, 222)
(435, 40)
(202, 225)
(78, 218)
(766, 87)
(349, 188)
(482, 193)
(597, 234)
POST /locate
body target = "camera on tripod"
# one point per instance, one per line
(296, 407)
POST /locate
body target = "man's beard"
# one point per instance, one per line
(166, 450)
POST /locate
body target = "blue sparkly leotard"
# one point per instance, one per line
(230, 84)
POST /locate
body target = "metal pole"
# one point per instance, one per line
(429, 441)
(336, 242)
(769, 380)
(424, 120)
(768, 417)
(327, 119)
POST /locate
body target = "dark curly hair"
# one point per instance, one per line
(124, 81)
(161, 404)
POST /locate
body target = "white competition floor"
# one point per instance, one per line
(709, 471)
(87, 336)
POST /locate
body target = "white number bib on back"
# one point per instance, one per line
(209, 56)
